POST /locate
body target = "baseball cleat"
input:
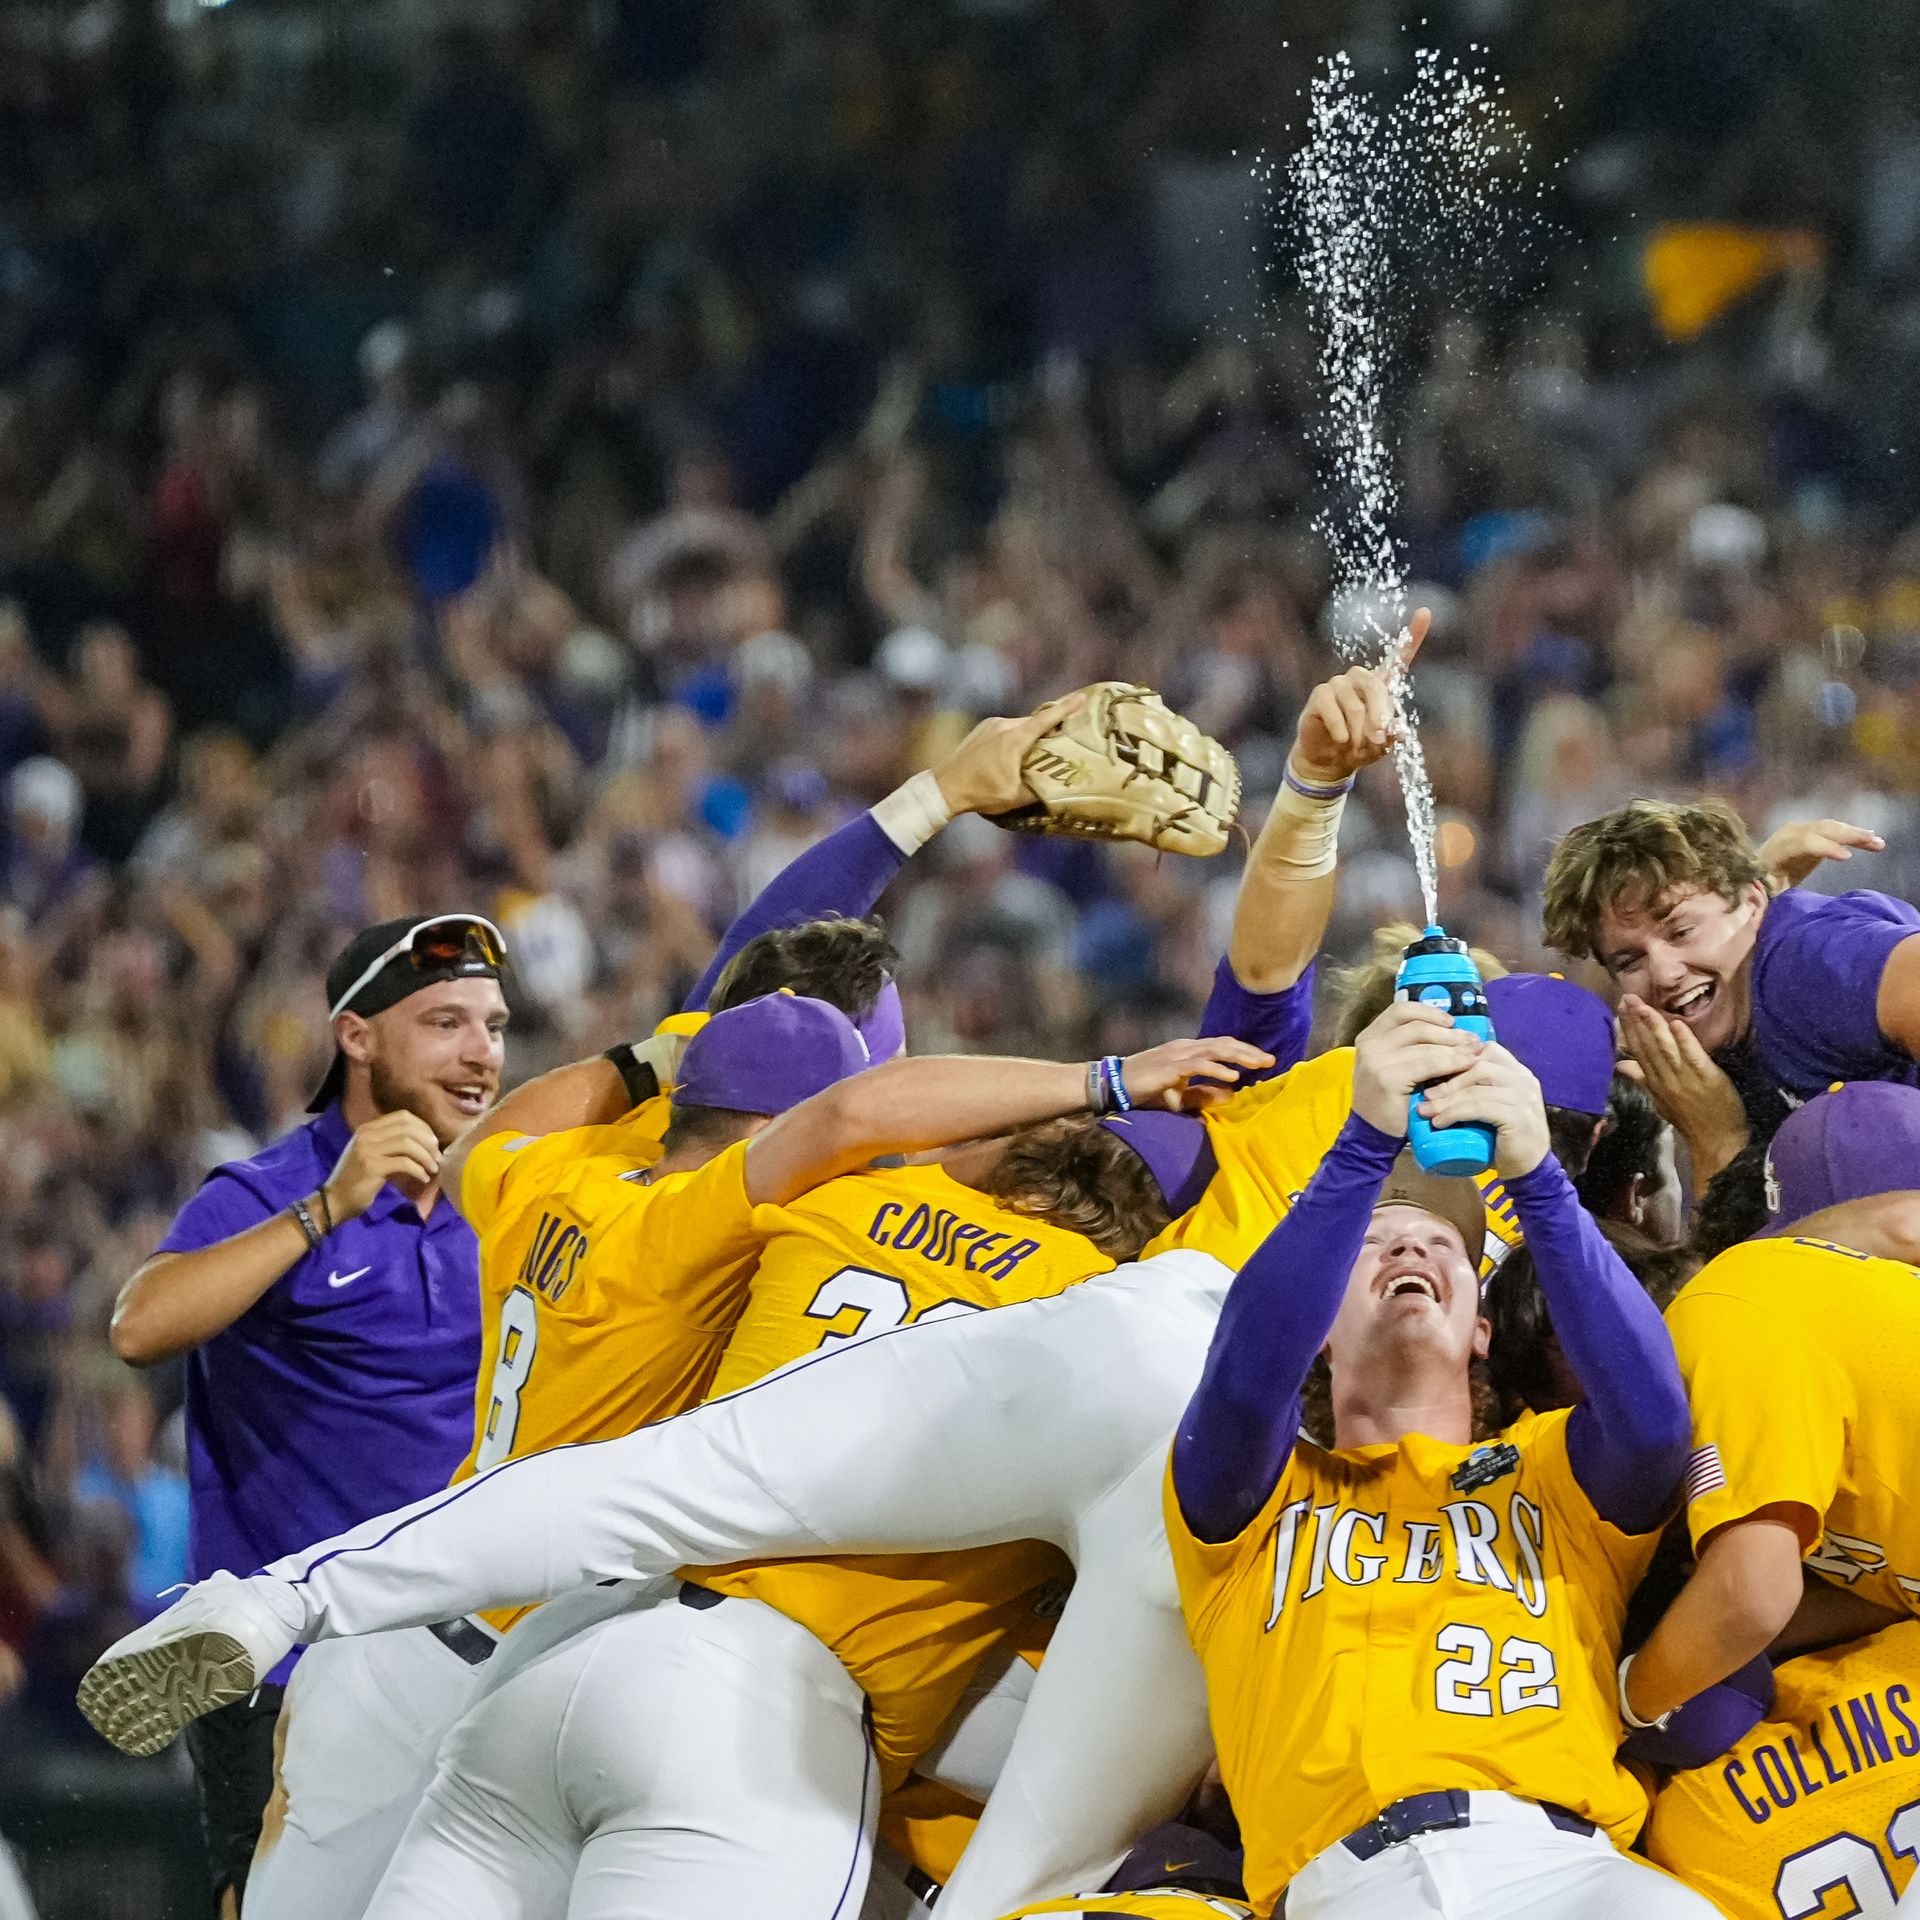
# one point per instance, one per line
(212, 1646)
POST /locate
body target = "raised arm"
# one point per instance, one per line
(1239, 1429)
(1629, 1436)
(1263, 986)
(850, 869)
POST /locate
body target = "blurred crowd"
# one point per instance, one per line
(565, 472)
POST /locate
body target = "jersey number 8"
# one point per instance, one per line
(1846, 1861)
(879, 1300)
(519, 1334)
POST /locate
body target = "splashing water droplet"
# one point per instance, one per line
(1389, 200)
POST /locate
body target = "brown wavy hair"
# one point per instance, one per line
(1638, 856)
(1074, 1173)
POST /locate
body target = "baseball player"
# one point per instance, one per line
(1819, 1802)
(1788, 990)
(1797, 1348)
(1409, 1640)
(1062, 1409)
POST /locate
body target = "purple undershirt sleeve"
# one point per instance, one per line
(1280, 1022)
(844, 873)
(1239, 1428)
(1628, 1439)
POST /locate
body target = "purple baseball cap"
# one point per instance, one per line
(1174, 1146)
(767, 1055)
(1857, 1139)
(884, 1026)
(1562, 1033)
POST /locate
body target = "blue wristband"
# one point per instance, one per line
(1118, 1099)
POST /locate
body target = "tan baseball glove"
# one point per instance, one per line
(1125, 766)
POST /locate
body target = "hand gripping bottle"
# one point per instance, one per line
(1437, 971)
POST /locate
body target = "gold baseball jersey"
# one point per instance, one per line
(1267, 1139)
(1802, 1364)
(856, 1257)
(1409, 1618)
(1815, 1815)
(1154, 1903)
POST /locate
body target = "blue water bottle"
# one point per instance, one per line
(1438, 971)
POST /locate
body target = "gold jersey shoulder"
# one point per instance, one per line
(1152, 1903)
(873, 1251)
(1267, 1140)
(1827, 1435)
(607, 1297)
(858, 1257)
(1404, 1618)
(1815, 1814)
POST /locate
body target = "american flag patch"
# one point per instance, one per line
(1705, 1474)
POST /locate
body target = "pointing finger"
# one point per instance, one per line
(1417, 629)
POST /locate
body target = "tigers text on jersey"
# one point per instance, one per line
(1267, 1139)
(1802, 1364)
(859, 1256)
(1816, 1812)
(1375, 1633)
(1153, 1903)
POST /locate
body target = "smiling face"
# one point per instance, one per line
(1686, 955)
(437, 1053)
(1412, 1303)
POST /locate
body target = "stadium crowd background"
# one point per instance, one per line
(564, 470)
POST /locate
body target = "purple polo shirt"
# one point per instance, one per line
(1816, 982)
(347, 1389)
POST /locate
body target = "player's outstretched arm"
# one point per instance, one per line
(1238, 1430)
(907, 1106)
(1286, 894)
(851, 868)
(1628, 1438)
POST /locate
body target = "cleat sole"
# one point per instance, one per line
(140, 1701)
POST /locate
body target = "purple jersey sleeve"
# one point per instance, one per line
(1280, 1022)
(844, 873)
(224, 1206)
(1816, 986)
(1233, 1441)
(1629, 1437)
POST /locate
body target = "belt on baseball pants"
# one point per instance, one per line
(462, 1637)
(1439, 1813)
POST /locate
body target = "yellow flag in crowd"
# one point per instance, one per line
(1695, 271)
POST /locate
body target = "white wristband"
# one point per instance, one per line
(1628, 1717)
(912, 814)
(1302, 833)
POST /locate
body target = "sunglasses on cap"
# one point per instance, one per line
(446, 940)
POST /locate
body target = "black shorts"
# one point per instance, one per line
(232, 1754)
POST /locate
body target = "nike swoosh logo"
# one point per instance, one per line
(1179, 1866)
(346, 1279)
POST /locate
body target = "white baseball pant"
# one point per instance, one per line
(361, 1730)
(1048, 1420)
(671, 1762)
(1512, 1863)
